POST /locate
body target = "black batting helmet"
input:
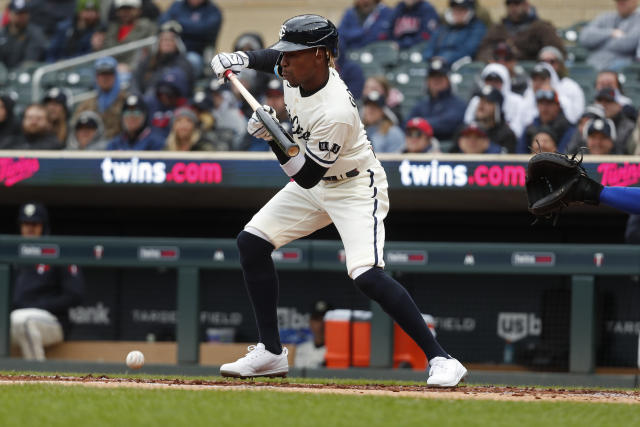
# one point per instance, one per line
(306, 32)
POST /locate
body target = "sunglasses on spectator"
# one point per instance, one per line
(550, 60)
(414, 133)
(546, 95)
(134, 113)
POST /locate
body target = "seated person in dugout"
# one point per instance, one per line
(42, 294)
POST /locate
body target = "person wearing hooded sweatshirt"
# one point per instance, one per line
(87, 133)
(364, 23)
(412, 22)
(543, 76)
(8, 124)
(170, 93)
(136, 133)
(567, 87)
(168, 52)
(109, 99)
(515, 112)
(186, 134)
(461, 34)
(490, 117)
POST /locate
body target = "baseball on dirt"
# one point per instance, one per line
(135, 359)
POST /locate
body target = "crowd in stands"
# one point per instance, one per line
(163, 97)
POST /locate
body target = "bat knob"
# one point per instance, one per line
(293, 151)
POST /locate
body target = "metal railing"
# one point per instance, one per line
(40, 72)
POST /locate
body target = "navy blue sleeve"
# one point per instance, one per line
(265, 60)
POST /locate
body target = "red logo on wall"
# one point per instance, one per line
(13, 171)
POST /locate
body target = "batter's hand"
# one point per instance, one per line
(235, 62)
(256, 128)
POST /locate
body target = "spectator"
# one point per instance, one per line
(503, 54)
(441, 108)
(460, 35)
(419, 137)
(185, 134)
(523, 30)
(609, 100)
(544, 140)
(200, 20)
(57, 106)
(611, 79)
(109, 99)
(73, 35)
(544, 77)
(601, 136)
(48, 14)
(228, 116)
(36, 132)
(474, 140)
(380, 124)
(136, 134)
(168, 52)
(412, 22)
(87, 133)
(255, 82)
(612, 37)
(148, 9)
(549, 114)
(568, 87)
(578, 140)
(490, 117)
(351, 73)
(310, 354)
(393, 96)
(170, 93)
(42, 293)
(21, 41)
(8, 124)
(274, 98)
(130, 26)
(364, 23)
(513, 106)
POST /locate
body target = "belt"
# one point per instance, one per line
(350, 174)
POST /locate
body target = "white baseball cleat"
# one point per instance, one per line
(259, 362)
(445, 372)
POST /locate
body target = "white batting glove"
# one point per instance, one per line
(256, 128)
(235, 62)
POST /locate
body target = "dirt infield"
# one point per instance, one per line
(460, 392)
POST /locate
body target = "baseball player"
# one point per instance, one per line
(336, 179)
(42, 294)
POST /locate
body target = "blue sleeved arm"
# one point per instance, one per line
(624, 198)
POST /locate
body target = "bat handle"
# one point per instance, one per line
(243, 90)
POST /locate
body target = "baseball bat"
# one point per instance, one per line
(282, 139)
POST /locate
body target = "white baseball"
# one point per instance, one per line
(135, 359)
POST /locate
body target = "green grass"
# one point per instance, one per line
(59, 405)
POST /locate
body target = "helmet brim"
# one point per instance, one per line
(285, 46)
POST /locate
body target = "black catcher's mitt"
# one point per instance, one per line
(555, 181)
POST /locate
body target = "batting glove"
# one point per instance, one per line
(256, 128)
(235, 62)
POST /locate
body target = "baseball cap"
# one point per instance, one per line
(171, 26)
(86, 120)
(548, 130)
(274, 88)
(185, 112)
(540, 70)
(375, 97)
(106, 64)
(421, 124)
(493, 76)
(320, 308)
(503, 51)
(19, 6)
(202, 101)
(491, 94)
(470, 4)
(601, 126)
(87, 4)
(593, 111)
(33, 212)
(127, 3)
(547, 95)
(134, 103)
(55, 94)
(438, 65)
(606, 94)
(473, 129)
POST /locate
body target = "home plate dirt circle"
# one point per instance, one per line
(504, 393)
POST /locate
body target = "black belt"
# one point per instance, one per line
(350, 174)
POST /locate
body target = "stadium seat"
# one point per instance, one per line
(583, 73)
(375, 57)
(464, 79)
(413, 55)
(576, 54)
(632, 90)
(571, 33)
(527, 66)
(631, 73)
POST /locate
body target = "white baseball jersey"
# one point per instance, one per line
(327, 126)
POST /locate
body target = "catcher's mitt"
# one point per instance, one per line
(555, 181)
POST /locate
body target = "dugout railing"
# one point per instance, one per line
(579, 262)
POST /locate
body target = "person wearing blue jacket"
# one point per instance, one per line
(460, 35)
(364, 23)
(200, 19)
(73, 36)
(412, 22)
(441, 108)
(136, 134)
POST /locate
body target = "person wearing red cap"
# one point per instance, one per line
(472, 139)
(419, 137)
